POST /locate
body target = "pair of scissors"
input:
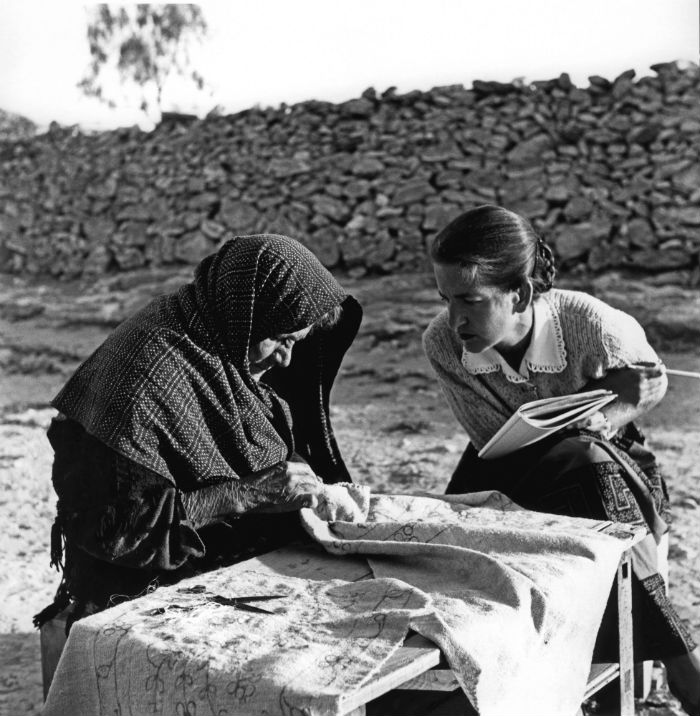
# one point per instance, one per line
(240, 602)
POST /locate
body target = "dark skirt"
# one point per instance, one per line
(578, 474)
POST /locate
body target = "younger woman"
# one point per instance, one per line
(506, 337)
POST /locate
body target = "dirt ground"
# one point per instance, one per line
(394, 428)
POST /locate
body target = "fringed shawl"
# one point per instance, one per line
(171, 387)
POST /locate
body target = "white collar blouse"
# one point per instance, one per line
(546, 352)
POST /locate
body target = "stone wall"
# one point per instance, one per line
(610, 174)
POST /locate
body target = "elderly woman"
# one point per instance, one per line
(184, 439)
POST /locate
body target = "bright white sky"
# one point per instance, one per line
(271, 51)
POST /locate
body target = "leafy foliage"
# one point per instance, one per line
(142, 46)
(15, 127)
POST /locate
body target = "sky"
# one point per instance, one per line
(265, 52)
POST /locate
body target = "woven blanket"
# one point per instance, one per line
(513, 599)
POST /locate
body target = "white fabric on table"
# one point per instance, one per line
(513, 598)
(518, 596)
(177, 652)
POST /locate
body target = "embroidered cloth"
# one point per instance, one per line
(513, 599)
(517, 596)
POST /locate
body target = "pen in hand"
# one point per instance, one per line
(662, 369)
(684, 373)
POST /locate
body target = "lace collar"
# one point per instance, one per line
(545, 354)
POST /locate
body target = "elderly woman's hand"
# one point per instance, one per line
(290, 487)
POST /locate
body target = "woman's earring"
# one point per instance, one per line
(525, 295)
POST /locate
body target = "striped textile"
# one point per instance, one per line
(171, 388)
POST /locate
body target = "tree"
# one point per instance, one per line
(141, 46)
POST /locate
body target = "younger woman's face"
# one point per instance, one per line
(482, 316)
(272, 352)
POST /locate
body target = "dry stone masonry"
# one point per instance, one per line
(610, 174)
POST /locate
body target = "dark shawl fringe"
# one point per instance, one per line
(56, 545)
(60, 602)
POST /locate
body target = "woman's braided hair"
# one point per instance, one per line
(497, 247)
(545, 268)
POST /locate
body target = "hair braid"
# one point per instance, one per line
(545, 270)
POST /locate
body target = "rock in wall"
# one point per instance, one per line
(609, 174)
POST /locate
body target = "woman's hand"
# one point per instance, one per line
(290, 487)
(639, 388)
(642, 385)
(596, 423)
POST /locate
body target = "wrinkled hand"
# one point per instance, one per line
(293, 486)
(343, 502)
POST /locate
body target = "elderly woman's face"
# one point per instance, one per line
(272, 352)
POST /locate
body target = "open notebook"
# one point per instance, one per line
(537, 419)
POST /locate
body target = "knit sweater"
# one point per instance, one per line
(576, 338)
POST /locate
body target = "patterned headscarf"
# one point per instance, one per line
(171, 387)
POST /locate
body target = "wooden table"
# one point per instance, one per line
(418, 664)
